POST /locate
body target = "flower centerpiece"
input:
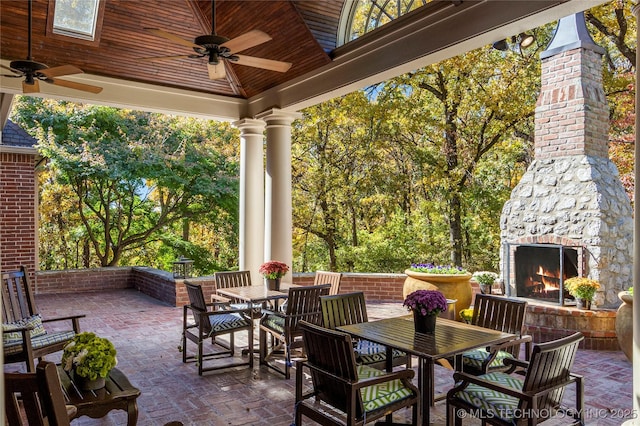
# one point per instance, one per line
(425, 305)
(272, 272)
(485, 280)
(583, 289)
(91, 358)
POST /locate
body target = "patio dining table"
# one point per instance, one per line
(451, 338)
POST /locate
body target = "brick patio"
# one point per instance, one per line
(146, 333)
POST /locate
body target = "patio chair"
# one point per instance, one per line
(212, 320)
(42, 404)
(303, 304)
(351, 308)
(343, 392)
(24, 336)
(228, 279)
(502, 314)
(333, 278)
(504, 399)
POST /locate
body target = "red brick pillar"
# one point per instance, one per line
(18, 209)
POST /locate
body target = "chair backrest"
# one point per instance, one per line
(499, 313)
(197, 304)
(17, 297)
(233, 279)
(41, 396)
(333, 278)
(550, 364)
(332, 352)
(343, 309)
(303, 304)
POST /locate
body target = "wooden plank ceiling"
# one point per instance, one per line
(302, 33)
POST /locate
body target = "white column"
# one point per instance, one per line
(278, 205)
(251, 229)
(636, 248)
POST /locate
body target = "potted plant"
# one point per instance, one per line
(91, 358)
(452, 281)
(466, 315)
(426, 305)
(485, 280)
(272, 271)
(582, 289)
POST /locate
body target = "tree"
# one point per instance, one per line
(134, 176)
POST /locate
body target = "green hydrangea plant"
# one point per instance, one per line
(91, 356)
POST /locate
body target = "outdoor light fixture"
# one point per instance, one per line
(526, 40)
(501, 45)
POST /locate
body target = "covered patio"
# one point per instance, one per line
(146, 334)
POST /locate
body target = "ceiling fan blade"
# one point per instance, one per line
(246, 40)
(165, 58)
(30, 88)
(74, 85)
(15, 72)
(267, 64)
(216, 72)
(61, 70)
(172, 37)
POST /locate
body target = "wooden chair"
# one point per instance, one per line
(333, 278)
(24, 337)
(505, 399)
(212, 320)
(42, 404)
(303, 304)
(351, 308)
(228, 279)
(502, 314)
(345, 393)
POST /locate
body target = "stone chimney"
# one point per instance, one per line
(571, 194)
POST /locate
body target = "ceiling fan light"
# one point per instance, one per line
(501, 45)
(526, 40)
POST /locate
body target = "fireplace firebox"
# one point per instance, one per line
(538, 271)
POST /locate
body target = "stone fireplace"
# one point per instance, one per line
(569, 215)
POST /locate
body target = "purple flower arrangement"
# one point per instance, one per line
(426, 302)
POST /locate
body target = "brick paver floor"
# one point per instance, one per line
(146, 334)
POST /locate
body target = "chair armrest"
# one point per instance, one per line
(20, 329)
(494, 349)
(517, 363)
(75, 321)
(216, 298)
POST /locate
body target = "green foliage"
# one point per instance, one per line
(129, 181)
(91, 356)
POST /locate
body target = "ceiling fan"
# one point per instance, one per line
(218, 49)
(33, 72)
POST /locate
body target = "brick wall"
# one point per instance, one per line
(18, 212)
(81, 280)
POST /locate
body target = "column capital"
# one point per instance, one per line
(279, 117)
(249, 125)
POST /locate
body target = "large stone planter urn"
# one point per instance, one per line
(453, 286)
(624, 324)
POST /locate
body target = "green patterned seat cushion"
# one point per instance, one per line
(494, 402)
(274, 322)
(224, 322)
(476, 357)
(368, 352)
(380, 395)
(9, 336)
(40, 341)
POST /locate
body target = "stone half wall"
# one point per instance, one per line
(576, 198)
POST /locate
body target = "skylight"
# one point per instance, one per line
(75, 18)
